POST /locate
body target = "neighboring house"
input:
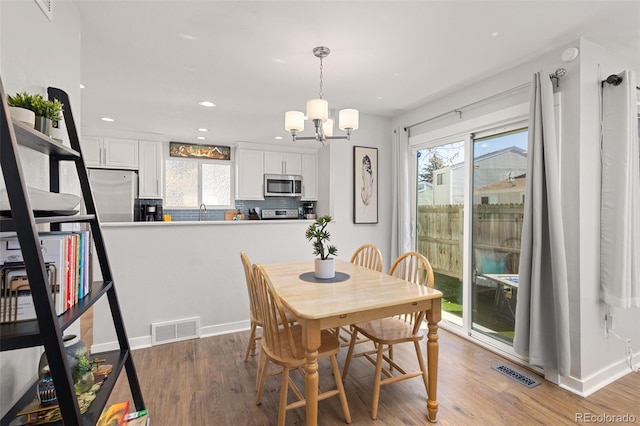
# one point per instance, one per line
(509, 191)
(489, 169)
(425, 193)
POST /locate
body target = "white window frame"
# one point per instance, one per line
(200, 163)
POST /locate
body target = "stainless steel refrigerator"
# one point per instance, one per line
(114, 192)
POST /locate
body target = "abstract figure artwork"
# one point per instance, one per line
(365, 185)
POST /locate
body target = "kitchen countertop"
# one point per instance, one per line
(203, 223)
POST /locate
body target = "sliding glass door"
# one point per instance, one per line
(440, 214)
(484, 176)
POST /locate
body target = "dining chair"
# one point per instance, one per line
(254, 317)
(387, 332)
(282, 344)
(368, 256)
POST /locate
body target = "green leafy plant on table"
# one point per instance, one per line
(319, 236)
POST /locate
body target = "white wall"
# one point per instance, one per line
(601, 357)
(596, 360)
(35, 54)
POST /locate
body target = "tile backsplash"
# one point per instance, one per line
(213, 214)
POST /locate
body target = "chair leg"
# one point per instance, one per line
(263, 370)
(340, 386)
(376, 383)
(422, 366)
(347, 360)
(251, 346)
(284, 392)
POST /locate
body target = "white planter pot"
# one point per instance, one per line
(325, 269)
(26, 116)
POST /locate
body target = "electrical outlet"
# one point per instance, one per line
(611, 324)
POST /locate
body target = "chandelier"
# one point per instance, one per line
(318, 112)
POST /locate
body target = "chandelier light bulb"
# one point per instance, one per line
(318, 109)
(327, 127)
(348, 119)
(294, 121)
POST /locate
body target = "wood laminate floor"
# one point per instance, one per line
(204, 382)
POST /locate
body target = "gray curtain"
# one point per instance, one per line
(620, 197)
(542, 311)
(401, 225)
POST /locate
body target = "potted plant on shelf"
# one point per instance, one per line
(20, 107)
(46, 113)
(317, 233)
(43, 111)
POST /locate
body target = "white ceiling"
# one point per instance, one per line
(146, 64)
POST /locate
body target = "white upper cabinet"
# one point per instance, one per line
(110, 152)
(309, 177)
(250, 174)
(151, 170)
(286, 163)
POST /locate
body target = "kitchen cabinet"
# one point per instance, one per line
(249, 174)
(285, 163)
(151, 169)
(110, 152)
(309, 177)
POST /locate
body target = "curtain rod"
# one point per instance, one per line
(559, 73)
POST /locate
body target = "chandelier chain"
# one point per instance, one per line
(321, 93)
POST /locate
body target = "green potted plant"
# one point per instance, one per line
(20, 107)
(317, 233)
(45, 112)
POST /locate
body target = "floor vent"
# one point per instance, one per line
(518, 377)
(175, 331)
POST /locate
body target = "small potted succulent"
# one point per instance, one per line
(20, 107)
(317, 233)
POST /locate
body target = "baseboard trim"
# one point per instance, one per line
(598, 380)
(145, 341)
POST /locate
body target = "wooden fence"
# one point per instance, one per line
(440, 233)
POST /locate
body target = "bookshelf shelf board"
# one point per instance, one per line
(37, 141)
(26, 334)
(8, 225)
(115, 358)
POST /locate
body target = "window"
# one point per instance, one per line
(191, 182)
(440, 178)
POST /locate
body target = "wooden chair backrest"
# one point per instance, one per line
(415, 268)
(368, 256)
(251, 287)
(276, 332)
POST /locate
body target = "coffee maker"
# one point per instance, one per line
(149, 211)
(308, 210)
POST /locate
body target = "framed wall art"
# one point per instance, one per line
(365, 184)
(188, 150)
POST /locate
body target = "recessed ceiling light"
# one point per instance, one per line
(278, 138)
(200, 138)
(187, 37)
(107, 119)
(203, 129)
(378, 97)
(207, 104)
(494, 34)
(81, 86)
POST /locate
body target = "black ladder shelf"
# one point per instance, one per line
(48, 328)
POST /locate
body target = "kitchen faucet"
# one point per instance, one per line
(203, 208)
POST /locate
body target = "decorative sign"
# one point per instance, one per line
(188, 150)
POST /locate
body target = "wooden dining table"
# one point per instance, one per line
(361, 295)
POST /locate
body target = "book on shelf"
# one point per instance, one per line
(67, 253)
(113, 415)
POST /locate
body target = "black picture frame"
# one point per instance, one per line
(365, 184)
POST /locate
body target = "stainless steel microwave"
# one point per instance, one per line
(282, 186)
